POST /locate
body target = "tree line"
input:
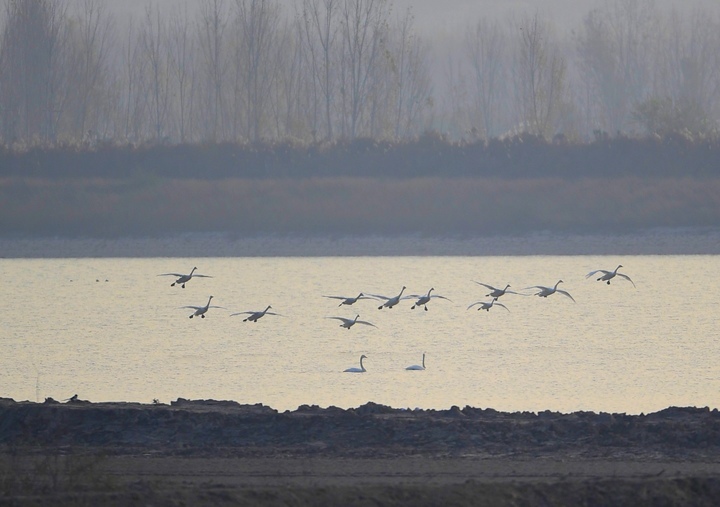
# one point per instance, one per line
(325, 71)
(429, 156)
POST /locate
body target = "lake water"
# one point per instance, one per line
(66, 330)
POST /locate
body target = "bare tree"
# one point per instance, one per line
(320, 29)
(153, 44)
(410, 87)
(182, 59)
(485, 47)
(256, 62)
(211, 36)
(363, 30)
(30, 58)
(614, 46)
(91, 41)
(539, 78)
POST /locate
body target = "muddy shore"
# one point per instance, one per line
(205, 452)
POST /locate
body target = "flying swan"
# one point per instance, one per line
(390, 301)
(183, 279)
(200, 311)
(495, 293)
(549, 291)
(348, 323)
(349, 300)
(417, 366)
(609, 275)
(358, 370)
(487, 305)
(424, 299)
(255, 316)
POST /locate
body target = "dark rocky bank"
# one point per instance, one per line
(226, 428)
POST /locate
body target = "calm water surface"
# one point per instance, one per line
(618, 349)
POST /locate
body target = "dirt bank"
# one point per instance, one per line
(223, 453)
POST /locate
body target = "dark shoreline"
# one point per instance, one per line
(659, 241)
(206, 452)
(226, 427)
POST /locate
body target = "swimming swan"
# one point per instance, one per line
(495, 292)
(423, 300)
(255, 316)
(183, 279)
(358, 370)
(201, 310)
(348, 300)
(390, 301)
(348, 323)
(417, 366)
(487, 305)
(609, 275)
(549, 291)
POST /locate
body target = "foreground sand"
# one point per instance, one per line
(222, 453)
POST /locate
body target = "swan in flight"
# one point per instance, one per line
(417, 366)
(200, 311)
(423, 300)
(183, 279)
(358, 370)
(349, 300)
(549, 291)
(391, 301)
(609, 275)
(495, 293)
(487, 305)
(255, 316)
(348, 323)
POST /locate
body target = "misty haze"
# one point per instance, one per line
(316, 117)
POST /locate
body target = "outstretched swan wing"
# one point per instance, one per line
(626, 278)
(565, 293)
(603, 271)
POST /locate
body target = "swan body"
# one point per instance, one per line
(486, 305)
(255, 316)
(417, 366)
(358, 370)
(348, 323)
(349, 300)
(200, 311)
(544, 292)
(425, 299)
(609, 275)
(495, 293)
(183, 279)
(390, 301)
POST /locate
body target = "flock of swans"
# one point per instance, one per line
(388, 302)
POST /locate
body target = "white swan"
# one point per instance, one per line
(609, 275)
(200, 311)
(183, 279)
(549, 291)
(495, 292)
(417, 366)
(349, 300)
(348, 323)
(255, 316)
(487, 305)
(358, 370)
(424, 299)
(390, 301)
